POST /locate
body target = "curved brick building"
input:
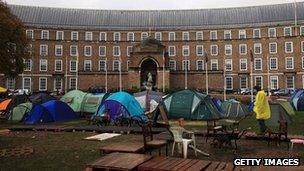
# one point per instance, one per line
(104, 40)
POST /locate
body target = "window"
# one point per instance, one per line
(27, 64)
(43, 50)
(44, 34)
(58, 50)
(273, 48)
(257, 48)
(256, 33)
(274, 82)
(88, 36)
(186, 50)
(73, 65)
(273, 64)
(242, 34)
(243, 82)
(116, 51)
(185, 36)
(228, 49)
(243, 49)
(59, 35)
(171, 36)
(227, 34)
(186, 65)
(158, 36)
(74, 35)
(42, 84)
(29, 34)
(144, 35)
(290, 82)
(73, 50)
(272, 32)
(303, 62)
(129, 50)
(302, 46)
(130, 36)
(128, 63)
(214, 50)
(199, 65)
(171, 50)
(87, 50)
(243, 64)
(258, 64)
(172, 65)
(228, 64)
(58, 65)
(199, 35)
(214, 64)
(103, 36)
(258, 80)
(87, 65)
(302, 31)
(213, 35)
(102, 65)
(27, 83)
(102, 51)
(116, 36)
(287, 31)
(229, 83)
(288, 47)
(43, 65)
(199, 50)
(116, 65)
(10, 83)
(289, 63)
(58, 84)
(73, 83)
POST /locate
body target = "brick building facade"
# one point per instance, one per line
(76, 48)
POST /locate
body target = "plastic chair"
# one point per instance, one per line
(179, 140)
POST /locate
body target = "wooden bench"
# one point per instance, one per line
(126, 147)
(118, 161)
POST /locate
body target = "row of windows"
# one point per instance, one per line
(88, 36)
(172, 49)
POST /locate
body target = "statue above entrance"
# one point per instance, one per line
(149, 83)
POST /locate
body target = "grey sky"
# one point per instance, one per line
(146, 4)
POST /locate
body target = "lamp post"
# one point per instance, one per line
(206, 70)
(164, 70)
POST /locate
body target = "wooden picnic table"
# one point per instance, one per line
(126, 147)
(118, 161)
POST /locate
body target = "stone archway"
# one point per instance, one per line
(148, 65)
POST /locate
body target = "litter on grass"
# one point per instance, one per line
(101, 137)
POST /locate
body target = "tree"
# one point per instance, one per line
(13, 43)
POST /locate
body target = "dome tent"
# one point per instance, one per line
(144, 98)
(51, 111)
(280, 110)
(192, 105)
(74, 99)
(233, 109)
(121, 104)
(91, 102)
(297, 100)
(19, 112)
(39, 98)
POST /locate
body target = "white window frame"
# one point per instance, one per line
(186, 48)
(285, 29)
(273, 68)
(228, 47)
(57, 35)
(302, 62)
(242, 60)
(158, 36)
(229, 77)
(41, 78)
(256, 45)
(85, 50)
(213, 32)
(293, 82)
(46, 65)
(227, 32)
(286, 62)
(144, 35)
(241, 82)
(30, 64)
(272, 86)
(255, 80)
(174, 68)
(276, 47)
(228, 62)
(88, 36)
(198, 37)
(11, 81)
(291, 47)
(186, 62)
(58, 47)
(130, 36)
(31, 32)
(71, 50)
(211, 52)
(23, 83)
(118, 47)
(302, 46)
(186, 36)
(76, 67)
(302, 31)
(197, 50)
(118, 36)
(76, 82)
(169, 34)
(105, 51)
(84, 65)
(240, 52)
(129, 50)
(55, 66)
(269, 32)
(46, 50)
(214, 61)
(105, 36)
(61, 84)
(255, 66)
(47, 35)
(253, 33)
(169, 51)
(72, 35)
(115, 62)
(197, 65)
(242, 33)
(99, 65)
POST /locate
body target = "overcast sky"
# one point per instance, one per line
(146, 4)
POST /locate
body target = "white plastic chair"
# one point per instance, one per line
(179, 140)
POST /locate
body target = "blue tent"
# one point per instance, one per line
(121, 104)
(297, 100)
(51, 111)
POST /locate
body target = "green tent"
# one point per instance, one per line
(233, 109)
(280, 111)
(192, 105)
(74, 99)
(91, 102)
(20, 111)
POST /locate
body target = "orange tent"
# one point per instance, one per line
(4, 104)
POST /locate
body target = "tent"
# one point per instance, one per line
(121, 105)
(91, 102)
(146, 98)
(2, 89)
(192, 105)
(297, 100)
(280, 110)
(20, 112)
(7, 105)
(51, 111)
(39, 98)
(233, 109)
(74, 99)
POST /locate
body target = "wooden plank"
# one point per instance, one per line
(158, 165)
(177, 167)
(131, 147)
(200, 165)
(229, 167)
(149, 164)
(221, 166)
(213, 166)
(169, 162)
(180, 160)
(192, 162)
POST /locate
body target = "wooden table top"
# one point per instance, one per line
(119, 161)
(131, 147)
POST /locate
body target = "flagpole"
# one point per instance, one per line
(206, 70)
(106, 82)
(163, 70)
(66, 76)
(268, 74)
(186, 76)
(224, 75)
(77, 64)
(251, 74)
(295, 16)
(120, 83)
